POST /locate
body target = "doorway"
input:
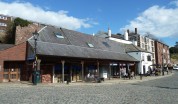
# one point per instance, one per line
(12, 72)
(144, 69)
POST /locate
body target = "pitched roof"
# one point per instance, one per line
(76, 44)
(133, 48)
(105, 35)
(63, 50)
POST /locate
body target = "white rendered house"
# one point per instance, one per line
(145, 61)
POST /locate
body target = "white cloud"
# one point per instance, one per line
(159, 21)
(175, 2)
(28, 11)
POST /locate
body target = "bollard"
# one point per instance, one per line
(163, 73)
(68, 80)
(140, 76)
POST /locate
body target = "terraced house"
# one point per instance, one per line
(63, 54)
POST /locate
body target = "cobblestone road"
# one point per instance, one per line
(159, 91)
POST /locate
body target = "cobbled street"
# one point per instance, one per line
(159, 91)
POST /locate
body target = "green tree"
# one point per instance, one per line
(174, 51)
(21, 22)
(8, 39)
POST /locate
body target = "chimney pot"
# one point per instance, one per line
(126, 35)
(109, 33)
(135, 30)
(128, 31)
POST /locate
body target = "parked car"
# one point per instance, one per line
(175, 67)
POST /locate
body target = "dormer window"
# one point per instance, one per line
(90, 45)
(59, 35)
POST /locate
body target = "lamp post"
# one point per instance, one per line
(35, 36)
(162, 64)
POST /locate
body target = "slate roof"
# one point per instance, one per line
(105, 35)
(74, 44)
(133, 48)
(5, 46)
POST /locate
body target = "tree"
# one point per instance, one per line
(21, 22)
(174, 51)
(8, 39)
(176, 46)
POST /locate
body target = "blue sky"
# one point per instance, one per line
(158, 17)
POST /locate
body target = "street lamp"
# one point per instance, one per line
(35, 36)
(162, 64)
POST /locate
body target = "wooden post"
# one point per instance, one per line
(70, 73)
(119, 70)
(98, 70)
(109, 71)
(82, 62)
(136, 68)
(63, 62)
(128, 70)
(38, 64)
(53, 74)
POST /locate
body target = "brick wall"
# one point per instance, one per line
(159, 47)
(24, 33)
(16, 53)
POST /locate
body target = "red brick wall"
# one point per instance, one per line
(159, 51)
(16, 53)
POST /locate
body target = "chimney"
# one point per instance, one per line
(135, 30)
(128, 31)
(109, 33)
(134, 42)
(126, 35)
(93, 34)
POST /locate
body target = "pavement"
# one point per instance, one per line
(105, 82)
(137, 79)
(149, 90)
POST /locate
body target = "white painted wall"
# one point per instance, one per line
(146, 62)
(120, 40)
(138, 56)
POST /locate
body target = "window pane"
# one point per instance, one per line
(13, 76)
(6, 70)
(1, 76)
(6, 76)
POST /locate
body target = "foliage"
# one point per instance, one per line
(21, 22)
(173, 50)
(174, 56)
(11, 29)
(8, 39)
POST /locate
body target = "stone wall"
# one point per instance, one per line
(24, 33)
